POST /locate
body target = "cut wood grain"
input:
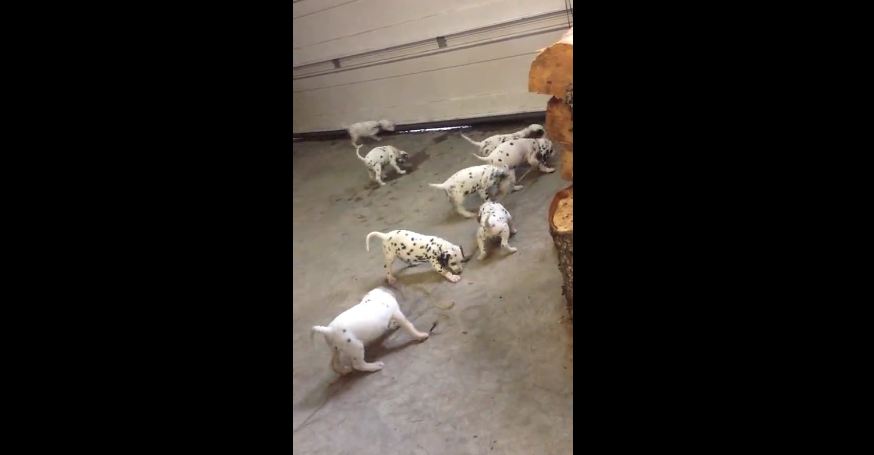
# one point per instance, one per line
(553, 68)
(561, 227)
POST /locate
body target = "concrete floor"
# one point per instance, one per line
(496, 374)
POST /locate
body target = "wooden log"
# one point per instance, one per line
(561, 226)
(553, 68)
(559, 122)
(566, 162)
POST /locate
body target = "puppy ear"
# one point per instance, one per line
(443, 259)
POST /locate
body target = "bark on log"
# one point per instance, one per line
(560, 129)
(553, 69)
(561, 228)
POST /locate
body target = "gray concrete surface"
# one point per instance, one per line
(496, 374)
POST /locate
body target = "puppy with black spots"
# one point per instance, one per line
(413, 248)
(476, 179)
(382, 156)
(494, 221)
(486, 146)
(369, 129)
(512, 154)
(363, 323)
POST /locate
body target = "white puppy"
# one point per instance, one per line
(412, 248)
(512, 154)
(352, 329)
(494, 221)
(476, 179)
(382, 156)
(487, 145)
(369, 129)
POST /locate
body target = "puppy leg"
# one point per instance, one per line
(408, 326)
(505, 237)
(514, 180)
(357, 352)
(377, 171)
(525, 174)
(389, 260)
(458, 201)
(450, 276)
(375, 137)
(481, 242)
(512, 225)
(394, 164)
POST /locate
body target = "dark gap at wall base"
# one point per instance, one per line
(533, 117)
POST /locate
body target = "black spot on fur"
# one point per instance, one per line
(348, 340)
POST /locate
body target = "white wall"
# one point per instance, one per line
(391, 66)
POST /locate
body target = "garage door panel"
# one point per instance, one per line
(371, 25)
(478, 72)
(526, 45)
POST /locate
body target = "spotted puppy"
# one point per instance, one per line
(363, 323)
(494, 221)
(476, 179)
(382, 156)
(535, 152)
(487, 145)
(369, 129)
(412, 248)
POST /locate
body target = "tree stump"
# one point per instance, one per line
(561, 226)
(552, 73)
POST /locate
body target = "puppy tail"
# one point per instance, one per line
(367, 240)
(478, 144)
(439, 186)
(357, 148)
(481, 158)
(320, 329)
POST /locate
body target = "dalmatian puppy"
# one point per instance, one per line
(476, 179)
(369, 129)
(347, 334)
(512, 154)
(412, 248)
(494, 221)
(382, 156)
(488, 145)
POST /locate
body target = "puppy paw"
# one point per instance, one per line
(454, 278)
(422, 336)
(512, 249)
(402, 172)
(391, 280)
(480, 257)
(518, 187)
(549, 170)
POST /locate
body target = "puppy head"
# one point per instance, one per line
(387, 125)
(402, 157)
(535, 131)
(451, 259)
(545, 151)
